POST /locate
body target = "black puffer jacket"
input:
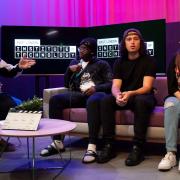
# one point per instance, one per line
(100, 72)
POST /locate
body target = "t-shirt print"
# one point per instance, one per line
(86, 82)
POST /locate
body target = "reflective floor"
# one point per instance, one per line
(113, 170)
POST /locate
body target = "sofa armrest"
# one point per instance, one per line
(47, 94)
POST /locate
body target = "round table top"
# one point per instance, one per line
(47, 127)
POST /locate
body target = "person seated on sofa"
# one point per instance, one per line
(132, 88)
(171, 114)
(89, 79)
(7, 101)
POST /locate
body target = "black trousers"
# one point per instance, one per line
(141, 105)
(75, 99)
(6, 102)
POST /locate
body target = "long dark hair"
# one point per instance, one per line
(124, 52)
(177, 59)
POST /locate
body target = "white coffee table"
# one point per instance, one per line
(47, 127)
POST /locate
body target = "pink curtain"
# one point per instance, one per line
(86, 12)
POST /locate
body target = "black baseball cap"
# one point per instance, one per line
(91, 43)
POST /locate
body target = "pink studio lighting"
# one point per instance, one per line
(86, 13)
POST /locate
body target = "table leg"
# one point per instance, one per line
(32, 163)
(33, 158)
(65, 162)
(28, 147)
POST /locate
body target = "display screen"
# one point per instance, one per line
(54, 47)
(153, 32)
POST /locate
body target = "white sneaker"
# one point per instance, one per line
(167, 162)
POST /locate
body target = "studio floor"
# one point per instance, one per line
(113, 170)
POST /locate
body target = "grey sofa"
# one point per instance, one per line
(124, 118)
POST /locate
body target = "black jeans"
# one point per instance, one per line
(75, 99)
(141, 105)
(6, 102)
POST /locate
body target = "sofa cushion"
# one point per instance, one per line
(161, 91)
(123, 117)
(157, 117)
(75, 114)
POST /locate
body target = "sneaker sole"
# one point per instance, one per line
(135, 163)
(88, 162)
(164, 170)
(52, 153)
(107, 160)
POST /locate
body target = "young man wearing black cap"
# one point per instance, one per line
(132, 88)
(89, 79)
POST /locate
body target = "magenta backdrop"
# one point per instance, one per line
(86, 12)
(83, 13)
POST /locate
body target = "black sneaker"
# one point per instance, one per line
(106, 154)
(135, 157)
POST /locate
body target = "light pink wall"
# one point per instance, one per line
(86, 12)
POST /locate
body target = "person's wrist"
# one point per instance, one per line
(116, 94)
(18, 68)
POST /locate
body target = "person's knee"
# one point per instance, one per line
(95, 98)
(140, 101)
(108, 100)
(171, 111)
(54, 100)
(144, 103)
(92, 101)
(171, 102)
(107, 104)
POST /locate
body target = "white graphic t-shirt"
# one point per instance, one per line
(86, 80)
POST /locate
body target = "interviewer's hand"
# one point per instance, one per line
(26, 63)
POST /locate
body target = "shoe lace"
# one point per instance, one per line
(168, 156)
